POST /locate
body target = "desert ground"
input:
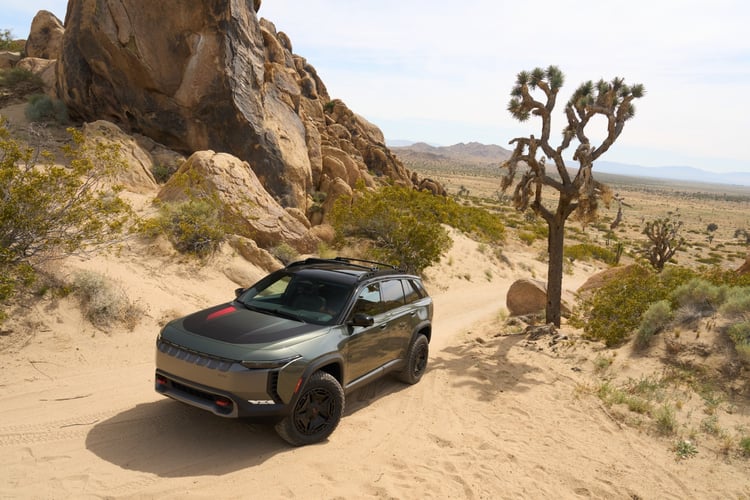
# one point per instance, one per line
(497, 415)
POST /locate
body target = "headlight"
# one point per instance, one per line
(269, 365)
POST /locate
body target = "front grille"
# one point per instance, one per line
(193, 391)
(194, 357)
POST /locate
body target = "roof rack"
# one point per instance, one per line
(348, 260)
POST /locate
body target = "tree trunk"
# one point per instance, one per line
(555, 268)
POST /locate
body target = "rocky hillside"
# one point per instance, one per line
(472, 156)
(220, 79)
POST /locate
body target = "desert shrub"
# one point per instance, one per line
(699, 294)
(740, 334)
(613, 311)
(20, 82)
(588, 251)
(406, 226)
(737, 302)
(745, 446)
(665, 420)
(193, 226)
(51, 211)
(104, 303)
(527, 237)
(656, 317)
(162, 173)
(42, 108)
(284, 252)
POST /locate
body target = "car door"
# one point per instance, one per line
(371, 347)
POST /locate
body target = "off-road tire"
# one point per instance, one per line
(416, 361)
(316, 413)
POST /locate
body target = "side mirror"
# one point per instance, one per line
(239, 291)
(362, 319)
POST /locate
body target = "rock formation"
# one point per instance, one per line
(45, 36)
(213, 76)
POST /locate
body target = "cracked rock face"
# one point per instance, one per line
(211, 75)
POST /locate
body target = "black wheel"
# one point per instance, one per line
(416, 360)
(316, 413)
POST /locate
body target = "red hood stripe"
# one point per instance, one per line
(221, 312)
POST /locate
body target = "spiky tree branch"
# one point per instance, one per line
(611, 100)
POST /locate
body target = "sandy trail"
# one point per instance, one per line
(494, 417)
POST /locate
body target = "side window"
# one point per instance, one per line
(410, 292)
(393, 294)
(368, 301)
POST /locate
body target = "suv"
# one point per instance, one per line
(292, 345)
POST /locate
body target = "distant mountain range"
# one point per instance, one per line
(489, 155)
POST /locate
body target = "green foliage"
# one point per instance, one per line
(737, 302)
(162, 173)
(8, 43)
(42, 108)
(588, 251)
(285, 253)
(6, 38)
(656, 317)
(406, 226)
(193, 226)
(745, 446)
(613, 311)
(685, 449)
(104, 303)
(665, 420)
(740, 333)
(20, 82)
(51, 211)
(700, 294)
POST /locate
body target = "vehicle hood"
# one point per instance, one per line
(233, 324)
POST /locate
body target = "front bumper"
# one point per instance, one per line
(223, 387)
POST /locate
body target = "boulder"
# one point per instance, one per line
(135, 173)
(245, 205)
(45, 69)
(601, 278)
(218, 78)
(45, 36)
(9, 59)
(526, 296)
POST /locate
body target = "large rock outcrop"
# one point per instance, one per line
(45, 36)
(246, 207)
(212, 76)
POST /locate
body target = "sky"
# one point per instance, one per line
(441, 72)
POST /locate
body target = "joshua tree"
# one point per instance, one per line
(577, 191)
(664, 241)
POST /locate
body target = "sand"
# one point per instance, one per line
(495, 416)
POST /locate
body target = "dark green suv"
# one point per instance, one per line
(292, 345)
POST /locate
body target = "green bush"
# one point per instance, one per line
(21, 82)
(51, 211)
(737, 302)
(656, 317)
(42, 108)
(588, 251)
(745, 446)
(700, 294)
(406, 226)
(615, 310)
(193, 226)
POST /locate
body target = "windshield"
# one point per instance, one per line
(299, 297)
